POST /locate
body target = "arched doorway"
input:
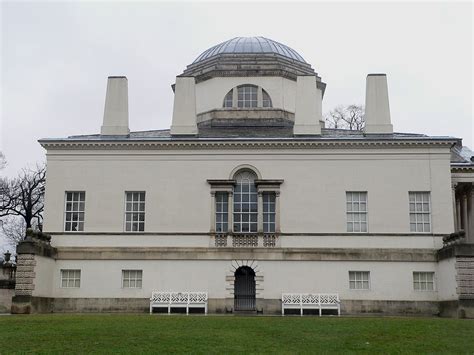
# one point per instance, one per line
(244, 289)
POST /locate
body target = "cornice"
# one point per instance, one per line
(462, 169)
(204, 144)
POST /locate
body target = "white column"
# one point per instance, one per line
(277, 212)
(458, 213)
(260, 213)
(470, 217)
(465, 215)
(230, 208)
(453, 192)
(213, 212)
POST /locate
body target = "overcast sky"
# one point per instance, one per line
(55, 59)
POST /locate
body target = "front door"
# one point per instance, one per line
(244, 289)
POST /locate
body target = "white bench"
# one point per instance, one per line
(178, 299)
(304, 301)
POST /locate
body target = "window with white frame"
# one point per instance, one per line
(134, 211)
(359, 280)
(132, 278)
(228, 100)
(245, 202)
(70, 278)
(222, 212)
(423, 281)
(268, 212)
(420, 212)
(247, 96)
(356, 203)
(266, 101)
(74, 211)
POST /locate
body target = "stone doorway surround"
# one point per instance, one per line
(230, 282)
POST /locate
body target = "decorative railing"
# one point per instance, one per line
(454, 238)
(246, 240)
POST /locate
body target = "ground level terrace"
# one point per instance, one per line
(413, 286)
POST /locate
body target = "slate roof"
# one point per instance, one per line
(256, 133)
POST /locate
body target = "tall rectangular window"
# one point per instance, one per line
(134, 211)
(245, 203)
(222, 213)
(247, 96)
(420, 212)
(356, 203)
(423, 281)
(359, 280)
(70, 278)
(132, 278)
(74, 211)
(268, 212)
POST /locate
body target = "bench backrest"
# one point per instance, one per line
(310, 298)
(178, 297)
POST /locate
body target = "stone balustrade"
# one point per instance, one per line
(245, 240)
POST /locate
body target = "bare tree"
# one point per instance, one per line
(23, 196)
(3, 161)
(346, 117)
(13, 229)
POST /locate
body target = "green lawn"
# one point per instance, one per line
(107, 333)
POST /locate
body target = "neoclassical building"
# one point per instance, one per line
(248, 197)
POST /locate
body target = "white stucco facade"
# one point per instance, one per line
(292, 234)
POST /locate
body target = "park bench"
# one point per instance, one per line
(178, 300)
(318, 301)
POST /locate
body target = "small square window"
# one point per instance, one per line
(70, 278)
(423, 281)
(359, 280)
(132, 278)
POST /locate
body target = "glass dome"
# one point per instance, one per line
(248, 45)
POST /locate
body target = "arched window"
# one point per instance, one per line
(266, 101)
(245, 202)
(247, 97)
(228, 99)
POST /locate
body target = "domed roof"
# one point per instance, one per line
(248, 45)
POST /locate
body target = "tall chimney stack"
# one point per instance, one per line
(116, 107)
(184, 121)
(377, 109)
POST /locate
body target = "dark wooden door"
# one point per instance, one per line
(244, 289)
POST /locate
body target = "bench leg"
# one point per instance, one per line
(301, 311)
(205, 309)
(320, 312)
(187, 310)
(169, 309)
(282, 310)
(151, 309)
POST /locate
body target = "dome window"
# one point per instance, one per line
(228, 99)
(266, 101)
(247, 96)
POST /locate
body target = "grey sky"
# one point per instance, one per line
(56, 58)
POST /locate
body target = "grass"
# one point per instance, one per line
(109, 333)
